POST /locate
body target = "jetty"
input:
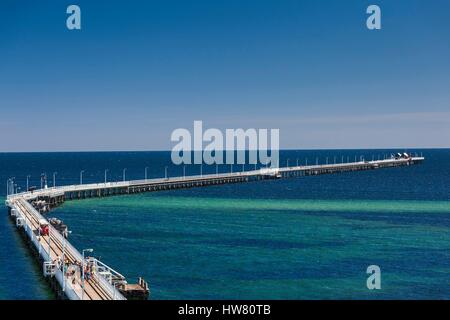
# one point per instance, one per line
(65, 267)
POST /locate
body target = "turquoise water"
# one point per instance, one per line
(201, 247)
(304, 238)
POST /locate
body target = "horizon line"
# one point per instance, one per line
(225, 150)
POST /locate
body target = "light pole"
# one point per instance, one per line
(297, 162)
(287, 163)
(63, 260)
(201, 170)
(106, 171)
(165, 172)
(9, 186)
(146, 168)
(217, 169)
(184, 172)
(82, 272)
(54, 179)
(81, 176)
(28, 182)
(123, 173)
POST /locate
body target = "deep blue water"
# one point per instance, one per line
(305, 238)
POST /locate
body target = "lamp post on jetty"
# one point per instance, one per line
(28, 182)
(10, 186)
(106, 171)
(54, 179)
(81, 176)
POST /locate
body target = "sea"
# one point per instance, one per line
(309, 237)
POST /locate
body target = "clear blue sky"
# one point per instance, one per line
(140, 69)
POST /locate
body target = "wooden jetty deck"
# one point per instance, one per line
(100, 286)
(50, 249)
